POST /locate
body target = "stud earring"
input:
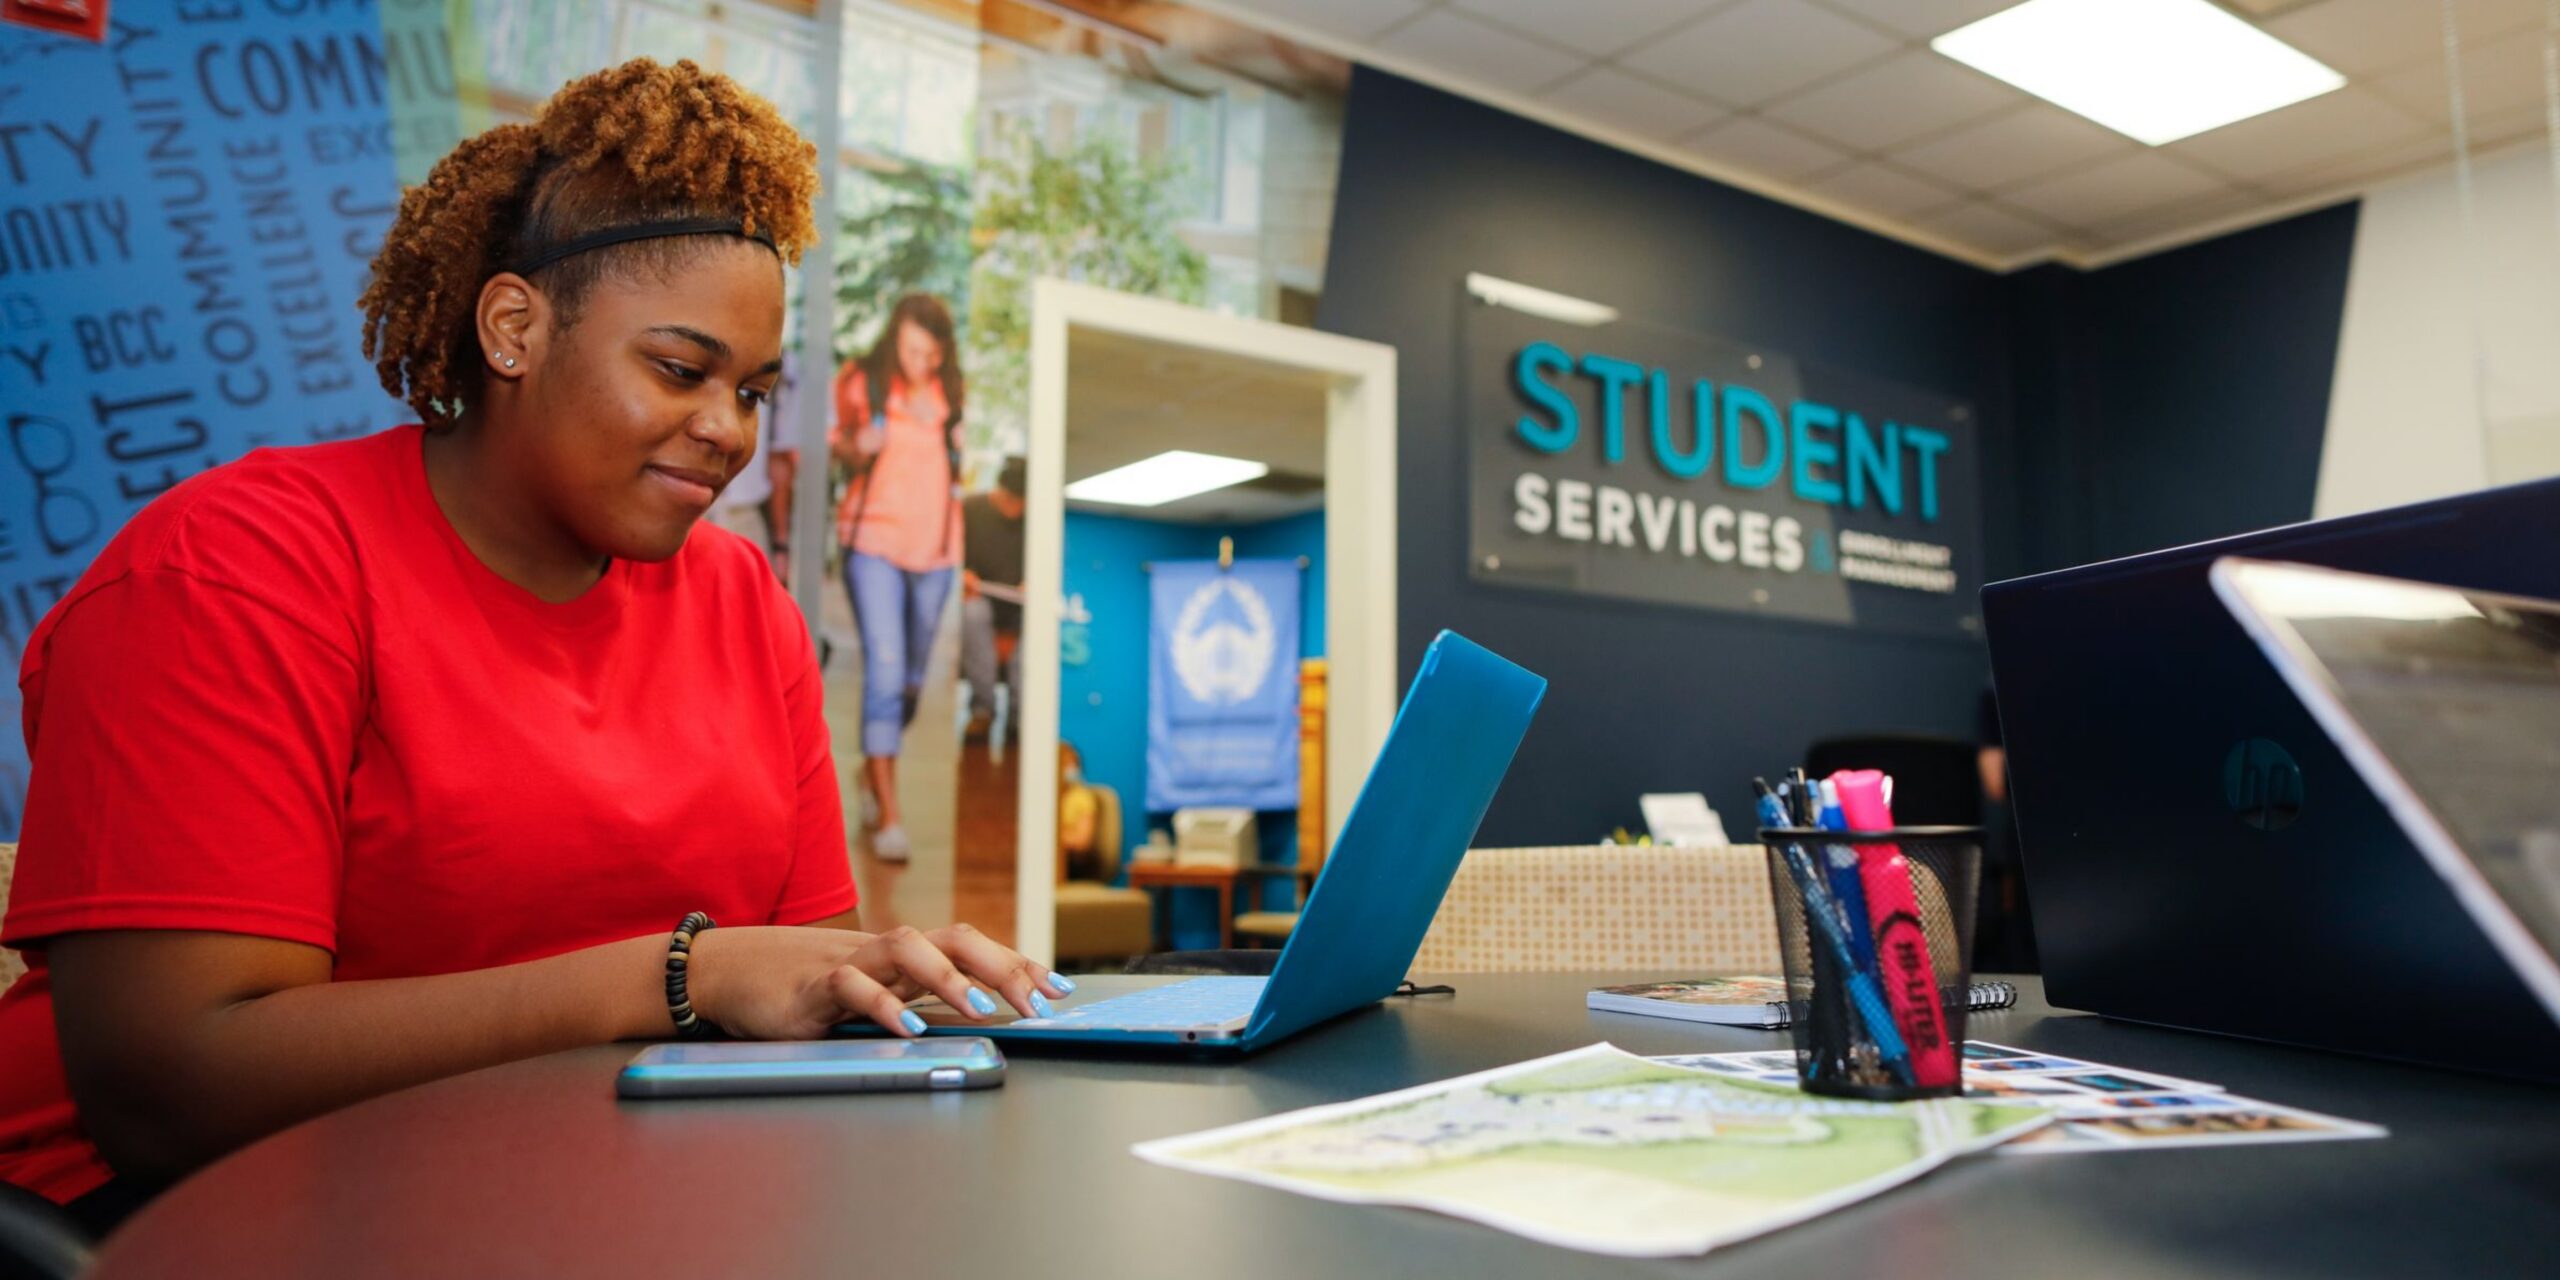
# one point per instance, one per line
(508, 361)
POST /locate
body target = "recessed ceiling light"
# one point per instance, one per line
(1167, 477)
(2156, 70)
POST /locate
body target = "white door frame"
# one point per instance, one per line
(1359, 548)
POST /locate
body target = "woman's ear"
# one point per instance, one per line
(512, 319)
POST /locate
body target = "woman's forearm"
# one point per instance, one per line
(213, 1074)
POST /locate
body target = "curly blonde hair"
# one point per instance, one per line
(640, 142)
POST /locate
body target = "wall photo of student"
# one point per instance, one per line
(897, 428)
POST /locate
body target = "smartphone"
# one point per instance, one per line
(817, 1066)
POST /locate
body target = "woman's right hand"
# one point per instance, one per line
(781, 983)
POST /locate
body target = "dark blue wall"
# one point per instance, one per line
(2193, 389)
(2155, 402)
(1644, 698)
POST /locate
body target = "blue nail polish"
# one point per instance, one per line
(913, 1024)
(981, 1003)
(1040, 1005)
(1064, 984)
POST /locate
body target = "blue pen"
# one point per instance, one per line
(1863, 991)
(1773, 811)
(1846, 887)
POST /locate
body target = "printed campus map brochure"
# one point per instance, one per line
(1599, 1149)
(2096, 1107)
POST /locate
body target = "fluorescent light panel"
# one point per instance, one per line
(1167, 477)
(2155, 70)
(1539, 302)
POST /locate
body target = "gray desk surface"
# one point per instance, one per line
(535, 1169)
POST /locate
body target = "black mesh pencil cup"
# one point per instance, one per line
(1876, 930)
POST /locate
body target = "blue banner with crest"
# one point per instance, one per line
(1222, 685)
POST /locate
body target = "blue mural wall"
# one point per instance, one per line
(187, 208)
(1294, 536)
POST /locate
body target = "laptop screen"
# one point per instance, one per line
(2459, 694)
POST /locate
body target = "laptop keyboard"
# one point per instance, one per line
(1192, 1004)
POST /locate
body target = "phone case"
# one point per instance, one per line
(706, 1070)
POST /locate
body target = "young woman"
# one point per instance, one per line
(367, 763)
(897, 424)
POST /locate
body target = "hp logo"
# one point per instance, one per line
(2261, 783)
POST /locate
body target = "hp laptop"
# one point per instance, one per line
(1452, 741)
(2448, 703)
(2199, 853)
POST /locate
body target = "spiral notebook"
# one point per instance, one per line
(1748, 1000)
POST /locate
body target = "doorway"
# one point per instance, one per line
(1118, 379)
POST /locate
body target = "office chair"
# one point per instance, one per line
(38, 1241)
(1936, 781)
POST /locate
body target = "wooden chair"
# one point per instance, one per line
(1275, 926)
(1678, 912)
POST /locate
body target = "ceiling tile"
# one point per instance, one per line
(1923, 19)
(1758, 147)
(2308, 132)
(2497, 76)
(2491, 131)
(1595, 27)
(2176, 216)
(1896, 100)
(2013, 147)
(1470, 50)
(2361, 37)
(1987, 228)
(1759, 49)
(2361, 168)
(2113, 191)
(1608, 96)
(1358, 19)
(1882, 189)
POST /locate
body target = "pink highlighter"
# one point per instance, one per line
(1903, 965)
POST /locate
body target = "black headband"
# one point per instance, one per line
(594, 240)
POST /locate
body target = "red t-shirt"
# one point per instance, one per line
(288, 701)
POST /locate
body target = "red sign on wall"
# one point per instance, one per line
(86, 19)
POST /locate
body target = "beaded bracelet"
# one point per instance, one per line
(679, 959)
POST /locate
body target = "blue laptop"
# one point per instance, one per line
(1451, 743)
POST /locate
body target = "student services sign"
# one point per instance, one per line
(1651, 464)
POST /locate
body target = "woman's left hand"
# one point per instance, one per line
(912, 962)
